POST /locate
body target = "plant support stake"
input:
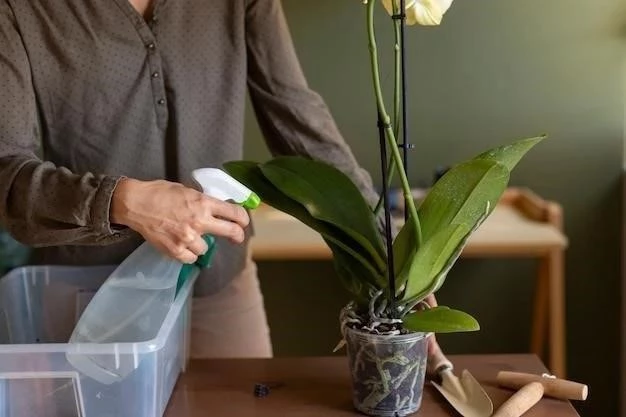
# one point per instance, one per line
(405, 144)
(388, 238)
(384, 117)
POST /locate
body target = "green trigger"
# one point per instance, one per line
(203, 261)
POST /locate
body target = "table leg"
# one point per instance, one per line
(540, 310)
(557, 312)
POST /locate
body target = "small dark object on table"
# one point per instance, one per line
(262, 389)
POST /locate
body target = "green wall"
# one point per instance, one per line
(496, 70)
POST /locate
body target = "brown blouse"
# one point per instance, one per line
(90, 91)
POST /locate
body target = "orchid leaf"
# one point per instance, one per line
(462, 193)
(510, 155)
(328, 195)
(460, 196)
(404, 248)
(465, 195)
(441, 276)
(440, 319)
(351, 273)
(431, 259)
(249, 174)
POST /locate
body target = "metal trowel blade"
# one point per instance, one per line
(477, 402)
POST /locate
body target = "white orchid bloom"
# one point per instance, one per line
(421, 12)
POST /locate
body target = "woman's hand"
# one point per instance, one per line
(173, 217)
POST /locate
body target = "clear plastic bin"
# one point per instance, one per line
(39, 307)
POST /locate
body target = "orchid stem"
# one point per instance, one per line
(396, 100)
(385, 120)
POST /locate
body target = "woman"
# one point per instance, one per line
(108, 106)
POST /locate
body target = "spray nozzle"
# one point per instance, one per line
(218, 184)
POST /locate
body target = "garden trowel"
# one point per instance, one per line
(465, 394)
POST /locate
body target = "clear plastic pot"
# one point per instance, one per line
(387, 371)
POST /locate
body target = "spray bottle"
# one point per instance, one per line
(131, 305)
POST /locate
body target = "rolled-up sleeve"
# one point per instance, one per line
(293, 118)
(41, 204)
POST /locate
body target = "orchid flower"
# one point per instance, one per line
(421, 12)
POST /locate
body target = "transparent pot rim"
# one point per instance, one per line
(409, 337)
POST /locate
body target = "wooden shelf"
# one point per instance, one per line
(515, 228)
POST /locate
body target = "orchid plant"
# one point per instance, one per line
(389, 278)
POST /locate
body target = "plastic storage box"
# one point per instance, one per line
(39, 307)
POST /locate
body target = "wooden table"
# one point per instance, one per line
(321, 387)
(522, 225)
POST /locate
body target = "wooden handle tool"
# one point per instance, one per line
(521, 401)
(553, 387)
(532, 388)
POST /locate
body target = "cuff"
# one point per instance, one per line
(101, 207)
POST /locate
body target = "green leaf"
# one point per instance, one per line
(440, 319)
(329, 195)
(461, 195)
(432, 258)
(510, 155)
(404, 248)
(439, 279)
(351, 274)
(249, 174)
(456, 205)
